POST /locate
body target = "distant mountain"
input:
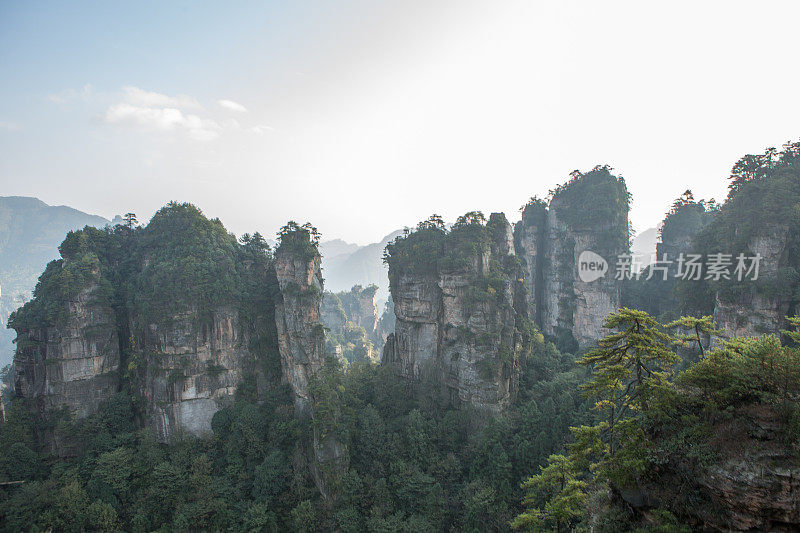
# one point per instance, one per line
(361, 266)
(30, 232)
(337, 247)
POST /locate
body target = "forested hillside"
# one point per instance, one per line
(175, 378)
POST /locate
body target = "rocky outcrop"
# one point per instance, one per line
(192, 370)
(333, 314)
(751, 484)
(184, 370)
(457, 328)
(301, 342)
(385, 324)
(74, 363)
(570, 305)
(359, 304)
(530, 236)
(301, 335)
(759, 308)
(588, 214)
(351, 320)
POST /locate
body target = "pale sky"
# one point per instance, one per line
(364, 117)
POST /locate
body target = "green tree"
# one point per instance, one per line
(625, 362)
(691, 330)
(563, 495)
(303, 516)
(270, 478)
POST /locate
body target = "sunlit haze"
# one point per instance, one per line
(364, 117)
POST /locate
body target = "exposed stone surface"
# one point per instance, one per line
(385, 324)
(754, 312)
(559, 302)
(449, 331)
(415, 342)
(301, 336)
(530, 239)
(361, 308)
(192, 370)
(351, 318)
(301, 342)
(333, 314)
(753, 484)
(74, 365)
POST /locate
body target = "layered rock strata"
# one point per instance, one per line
(457, 327)
(192, 370)
(301, 342)
(75, 363)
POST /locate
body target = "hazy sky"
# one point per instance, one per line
(363, 117)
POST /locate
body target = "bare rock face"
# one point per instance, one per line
(459, 332)
(757, 311)
(753, 483)
(530, 245)
(351, 318)
(301, 336)
(415, 342)
(301, 342)
(192, 370)
(594, 300)
(571, 305)
(750, 315)
(71, 364)
(333, 315)
(74, 365)
(550, 244)
(362, 309)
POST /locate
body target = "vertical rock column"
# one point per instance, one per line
(572, 304)
(301, 342)
(558, 293)
(479, 351)
(301, 336)
(529, 239)
(456, 329)
(587, 214)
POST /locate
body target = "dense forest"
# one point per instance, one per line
(627, 435)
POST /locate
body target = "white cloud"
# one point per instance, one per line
(233, 106)
(140, 97)
(160, 112)
(8, 125)
(156, 111)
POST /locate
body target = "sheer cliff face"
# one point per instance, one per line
(344, 314)
(192, 370)
(529, 243)
(363, 310)
(301, 336)
(453, 330)
(571, 304)
(418, 310)
(752, 483)
(301, 342)
(185, 371)
(755, 312)
(75, 364)
(549, 241)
